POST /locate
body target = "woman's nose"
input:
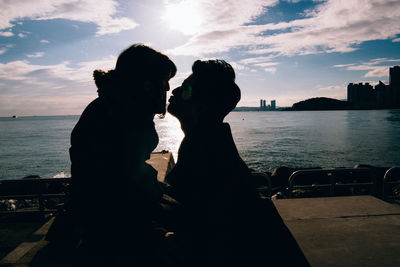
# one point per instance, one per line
(175, 90)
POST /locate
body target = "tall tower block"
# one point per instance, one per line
(394, 76)
(394, 86)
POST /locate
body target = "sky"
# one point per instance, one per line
(287, 50)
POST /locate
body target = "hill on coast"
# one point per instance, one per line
(320, 103)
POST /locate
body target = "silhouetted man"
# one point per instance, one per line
(225, 222)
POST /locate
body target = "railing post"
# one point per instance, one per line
(41, 200)
(386, 181)
(290, 182)
(332, 181)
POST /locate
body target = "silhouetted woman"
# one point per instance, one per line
(225, 222)
(114, 192)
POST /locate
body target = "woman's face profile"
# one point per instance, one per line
(148, 95)
(157, 94)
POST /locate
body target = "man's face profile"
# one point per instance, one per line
(181, 98)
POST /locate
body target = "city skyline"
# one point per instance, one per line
(286, 51)
(360, 95)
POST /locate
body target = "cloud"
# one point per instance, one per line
(270, 70)
(237, 66)
(378, 67)
(5, 48)
(266, 64)
(214, 15)
(331, 88)
(255, 60)
(221, 25)
(37, 54)
(21, 35)
(101, 12)
(44, 41)
(31, 89)
(333, 91)
(116, 25)
(380, 71)
(339, 91)
(6, 34)
(332, 26)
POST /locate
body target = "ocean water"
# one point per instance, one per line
(325, 139)
(265, 140)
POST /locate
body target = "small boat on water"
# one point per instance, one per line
(15, 116)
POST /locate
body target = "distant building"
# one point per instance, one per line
(394, 76)
(273, 104)
(263, 104)
(381, 91)
(394, 84)
(361, 95)
(382, 96)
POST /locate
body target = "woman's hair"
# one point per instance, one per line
(135, 64)
(214, 84)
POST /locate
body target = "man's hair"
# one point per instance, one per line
(136, 63)
(214, 84)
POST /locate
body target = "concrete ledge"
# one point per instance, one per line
(333, 207)
(163, 162)
(344, 231)
(34, 240)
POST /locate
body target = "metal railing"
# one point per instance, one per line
(390, 180)
(41, 189)
(330, 181)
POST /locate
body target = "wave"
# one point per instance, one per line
(62, 175)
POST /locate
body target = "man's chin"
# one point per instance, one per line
(171, 110)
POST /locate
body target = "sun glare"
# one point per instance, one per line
(184, 16)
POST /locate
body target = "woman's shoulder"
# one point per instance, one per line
(94, 108)
(90, 117)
